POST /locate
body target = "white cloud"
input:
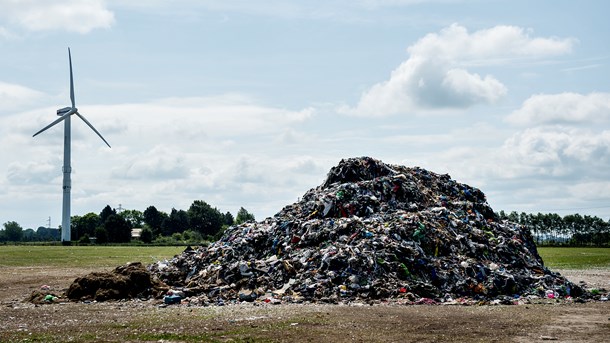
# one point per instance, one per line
(32, 172)
(551, 164)
(492, 45)
(69, 15)
(161, 162)
(565, 136)
(13, 96)
(552, 169)
(540, 169)
(471, 88)
(433, 77)
(567, 108)
(537, 149)
(226, 150)
(593, 190)
(556, 151)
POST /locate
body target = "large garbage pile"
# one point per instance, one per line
(370, 231)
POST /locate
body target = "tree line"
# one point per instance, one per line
(572, 229)
(200, 222)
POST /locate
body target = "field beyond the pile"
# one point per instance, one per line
(24, 269)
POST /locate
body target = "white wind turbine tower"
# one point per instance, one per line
(65, 115)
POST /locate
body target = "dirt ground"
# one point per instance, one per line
(147, 321)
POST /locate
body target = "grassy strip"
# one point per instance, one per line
(575, 258)
(81, 256)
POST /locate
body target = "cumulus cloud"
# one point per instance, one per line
(558, 151)
(13, 96)
(159, 163)
(563, 108)
(69, 15)
(223, 149)
(435, 75)
(488, 46)
(565, 136)
(32, 172)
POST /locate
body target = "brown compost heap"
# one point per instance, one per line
(372, 231)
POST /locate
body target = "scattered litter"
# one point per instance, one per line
(172, 299)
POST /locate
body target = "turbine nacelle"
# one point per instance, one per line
(62, 111)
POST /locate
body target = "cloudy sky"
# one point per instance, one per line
(249, 103)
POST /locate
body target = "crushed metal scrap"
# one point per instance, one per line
(371, 231)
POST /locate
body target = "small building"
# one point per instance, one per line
(135, 233)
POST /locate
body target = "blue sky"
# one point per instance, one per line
(249, 103)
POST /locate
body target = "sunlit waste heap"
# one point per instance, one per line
(372, 231)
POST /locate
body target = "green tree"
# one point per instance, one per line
(204, 219)
(119, 230)
(513, 217)
(134, 217)
(85, 225)
(154, 219)
(192, 236)
(176, 222)
(106, 213)
(101, 235)
(13, 232)
(228, 219)
(146, 235)
(47, 234)
(74, 228)
(243, 216)
(84, 239)
(29, 235)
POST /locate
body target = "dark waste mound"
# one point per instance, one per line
(128, 281)
(371, 231)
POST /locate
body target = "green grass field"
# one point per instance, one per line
(575, 258)
(81, 256)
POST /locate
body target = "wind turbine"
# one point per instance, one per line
(64, 115)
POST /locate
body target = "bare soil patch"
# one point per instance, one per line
(594, 278)
(146, 321)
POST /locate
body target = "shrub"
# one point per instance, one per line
(101, 235)
(146, 235)
(84, 239)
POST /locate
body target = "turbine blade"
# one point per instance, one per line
(71, 79)
(69, 113)
(92, 128)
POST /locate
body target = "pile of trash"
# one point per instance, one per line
(372, 231)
